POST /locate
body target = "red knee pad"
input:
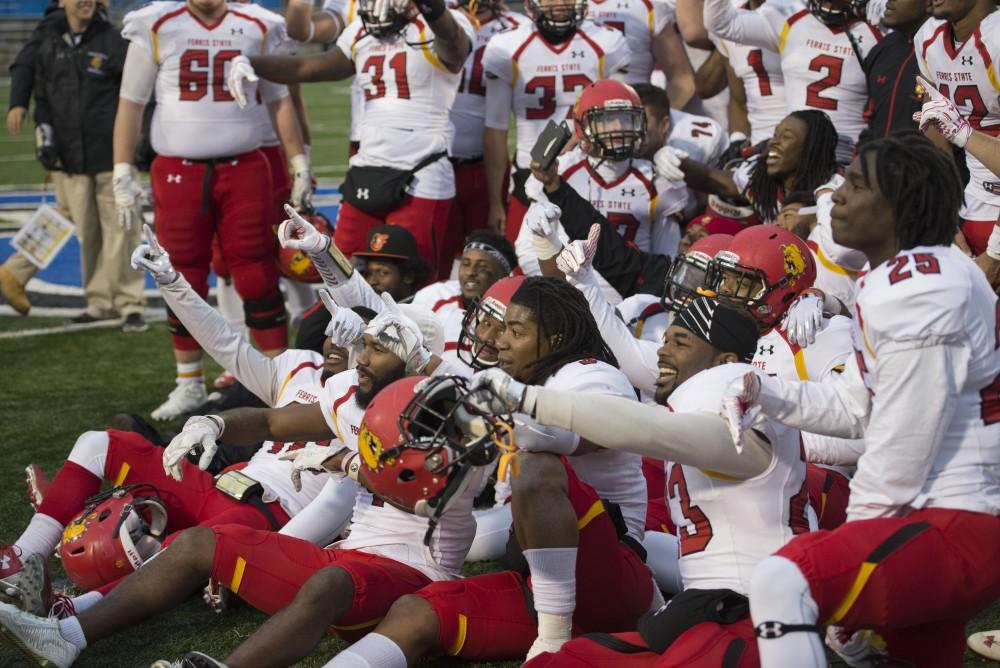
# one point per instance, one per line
(267, 321)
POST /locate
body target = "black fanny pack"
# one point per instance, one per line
(660, 628)
(374, 189)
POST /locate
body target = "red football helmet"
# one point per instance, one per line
(610, 120)
(689, 271)
(763, 269)
(413, 451)
(296, 265)
(116, 532)
(493, 304)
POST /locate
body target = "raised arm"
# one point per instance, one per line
(743, 26)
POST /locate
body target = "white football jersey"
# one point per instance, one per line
(301, 374)
(763, 83)
(196, 117)
(451, 322)
(616, 475)
(341, 411)
(468, 114)
(645, 316)
(727, 526)
(347, 10)
(408, 95)
(545, 80)
(640, 204)
(440, 297)
(268, 135)
(925, 296)
(967, 75)
(837, 266)
(776, 356)
(640, 21)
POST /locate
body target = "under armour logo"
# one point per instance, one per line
(577, 54)
(4, 562)
(770, 630)
(766, 350)
(236, 31)
(967, 60)
(363, 193)
(173, 178)
(989, 641)
(881, 79)
(630, 192)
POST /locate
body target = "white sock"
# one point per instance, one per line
(190, 372)
(553, 579)
(41, 536)
(72, 632)
(85, 601)
(373, 651)
(780, 593)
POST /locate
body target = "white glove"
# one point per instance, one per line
(242, 80)
(855, 648)
(302, 186)
(309, 458)
(151, 257)
(297, 232)
(493, 391)
(575, 259)
(943, 115)
(668, 163)
(200, 431)
(400, 334)
(542, 218)
(345, 326)
(804, 317)
(129, 195)
(739, 408)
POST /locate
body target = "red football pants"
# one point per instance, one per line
(469, 212)
(977, 233)
(916, 579)
(829, 493)
(426, 219)
(235, 206)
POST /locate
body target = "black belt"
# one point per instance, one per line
(206, 179)
(461, 162)
(213, 161)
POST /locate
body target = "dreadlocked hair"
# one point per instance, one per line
(817, 165)
(563, 317)
(906, 164)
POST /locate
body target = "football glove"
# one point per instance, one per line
(576, 258)
(739, 408)
(400, 335)
(346, 326)
(542, 218)
(242, 80)
(504, 395)
(151, 257)
(297, 232)
(804, 317)
(302, 186)
(668, 163)
(200, 433)
(309, 458)
(128, 195)
(943, 115)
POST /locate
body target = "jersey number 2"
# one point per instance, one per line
(196, 67)
(834, 68)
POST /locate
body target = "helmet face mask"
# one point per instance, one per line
(834, 13)
(485, 314)
(384, 19)
(686, 279)
(615, 131)
(556, 20)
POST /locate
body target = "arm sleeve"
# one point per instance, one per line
(694, 439)
(740, 25)
(837, 407)
(832, 451)
(226, 345)
(139, 75)
(625, 268)
(533, 437)
(902, 440)
(636, 358)
(356, 292)
(327, 515)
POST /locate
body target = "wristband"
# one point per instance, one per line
(431, 9)
(993, 245)
(351, 465)
(121, 169)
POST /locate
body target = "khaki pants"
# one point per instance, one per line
(109, 282)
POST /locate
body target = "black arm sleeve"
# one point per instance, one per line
(627, 269)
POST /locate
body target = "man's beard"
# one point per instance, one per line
(378, 384)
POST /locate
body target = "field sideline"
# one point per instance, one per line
(58, 385)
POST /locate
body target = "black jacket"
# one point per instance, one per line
(76, 92)
(891, 70)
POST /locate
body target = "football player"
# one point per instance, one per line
(723, 527)
(209, 177)
(822, 45)
(408, 58)
(537, 71)
(957, 51)
(580, 572)
(916, 558)
(391, 551)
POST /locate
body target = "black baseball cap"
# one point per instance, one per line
(390, 242)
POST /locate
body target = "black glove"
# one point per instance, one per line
(737, 143)
(45, 148)
(431, 9)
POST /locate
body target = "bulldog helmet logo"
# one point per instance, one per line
(795, 264)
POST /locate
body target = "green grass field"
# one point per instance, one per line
(56, 386)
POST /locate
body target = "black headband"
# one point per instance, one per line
(492, 252)
(722, 327)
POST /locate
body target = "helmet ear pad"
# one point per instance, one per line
(113, 536)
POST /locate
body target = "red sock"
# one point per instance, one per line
(69, 489)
